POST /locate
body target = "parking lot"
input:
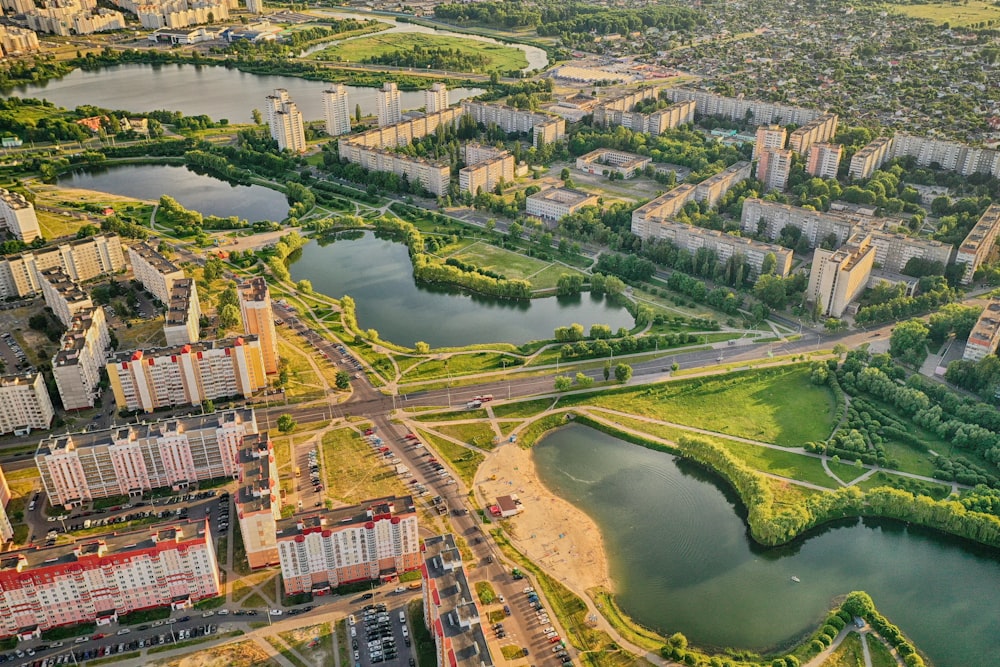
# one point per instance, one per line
(380, 634)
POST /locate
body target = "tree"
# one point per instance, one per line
(607, 371)
(213, 269)
(769, 263)
(229, 297)
(420, 347)
(770, 289)
(208, 406)
(564, 174)
(286, 423)
(583, 380)
(343, 380)
(909, 341)
(623, 373)
(229, 317)
(258, 119)
(304, 286)
(563, 383)
(357, 113)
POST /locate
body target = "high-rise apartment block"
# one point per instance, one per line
(980, 243)
(81, 260)
(24, 404)
(769, 136)
(187, 374)
(18, 216)
(985, 334)
(336, 110)
(436, 98)
(389, 105)
(951, 155)
(6, 529)
(62, 295)
(258, 319)
(97, 579)
(621, 110)
(839, 276)
(868, 159)
(156, 273)
(322, 550)
(181, 322)
(824, 160)
(74, 17)
(773, 167)
(133, 459)
(819, 130)
(285, 121)
(544, 129)
(742, 109)
(258, 500)
(16, 41)
(692, 238)
(255, 6)
(486, 167)
(176, 14)
(81, 357)
(273, 104)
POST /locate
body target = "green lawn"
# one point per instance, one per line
(916, 486)
(480, 435)
(501, 58)
(352, 472)
(846, 470)
(459, 364)
(848, 654)
(522, 409)
(511, 264)
(969, 12)
(881, 657)
(778, 405)
(548, 278)
(464, 461)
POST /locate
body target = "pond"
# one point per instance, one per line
(682, 560)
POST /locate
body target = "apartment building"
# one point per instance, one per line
(18, 6)
(81, 260)
(181, 322)
(893, 250)
(824, 160)
(692, 238)
(132, 459)
(646, 218)
(769, 136)
(607, 160)
(16, 41)
(67, 18)
(817, 131)
(285, 122)
(476, 153)
(557, 203)
(62, 295)
(543, 128)
(255, 6)
(82, 354)
(176, 14)
(868, 159)
(950, 155)
(713, 188)
(450, 610)
(484, 175)
(258, 319)
(436, 98)
(985, 335)
(740, 109)
(375, 540)
(389, 101)
(336, 110)
(156, 273)
(258, 500)
(97, 579)
(6, 529)
(18, 216)
(839, 276)
(773, 167)
(980, 243)
(620, 110)
(24, 403)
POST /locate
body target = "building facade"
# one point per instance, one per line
(819, 130)
(824, 160)
(485, 175)
(16, 41)
(135, 458)
(24, 404)
(839, 276)
(868, 159)
(258, 319)
(82, 354)
(258, 500)
(773, 167)
(620, 110)
(713, 188)
(980, 243)
(557, 203)
(156, 273)
(724, 246)
(373, 541)
(107, 576)
(389, 101)
(81, 260)
(607, 160)
(436, 98)
(544, 129)
(985, 335)
(6, 529)
(63, 296)
(181, 322)
(18, 216)
(769, 136)
(337, 110)
(741, 109)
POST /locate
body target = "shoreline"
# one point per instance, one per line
(549, 531)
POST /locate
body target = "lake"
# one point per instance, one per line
(378, 275)
(197, 192)
(682, 560)
(217, 92)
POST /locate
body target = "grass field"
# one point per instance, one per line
(778, 405)
(303, 383)
(501, 58)
(512, 264)
(459, 364)
(480, 435)
(522, 409)
(143, 334)
(464, 461)
(352, 472)
(881, 657)
(916, 486)
(848, 654)
(969, 12)
(846, 470)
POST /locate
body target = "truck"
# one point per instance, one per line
(472, 405)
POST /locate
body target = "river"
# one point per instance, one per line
(378, 275)
(193, 90)
(682, 560)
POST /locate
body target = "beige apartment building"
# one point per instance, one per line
(839, 276)
(484, 175)
(187, 374)
(713, 188)
(868, 159)
(436, 98)
(156, 273)
(337, 110)
(18, 216)
(979, 243)
(819, 130)
(603, 161)
(389, 111)
(82, 354)
(24, 404)
(81, 260)
(135, 458)
(769, 136)
(824, 160)
(6, 529)
(773, 168)
(985, 335)
(181, 322)
(742, 109)
(258, 319)
(620, 110)
(545, 129)
(692, 238)
(62, 295)
(258, 500)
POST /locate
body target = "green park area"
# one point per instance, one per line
(421, 51)
(966, 13)
(541, 274)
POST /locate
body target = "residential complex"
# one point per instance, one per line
(24, 403)
(544, 129)
(81, 356)
(81, 260)
(769, 136)
(620, 110)
(839, 276)
(106, 576)
(6, 529)
(646, 218)
(390, 110)
(713, 188)
(607, 160)
(868, 159)
(135, 458)
(980, 243)
(336, 110)
(950, 155)
(692, 238)
(741, 109)
(985, 335)
(73, 17)
(436, 98)
(824, 160)
(258, 319)
(17, 215)
(482, 173)
(62, 295)
(557, 203)
(16, 41)
(818, 130)
(187, 374)
(255, 6)
(285, 122)
(450, 610)
(258, 500)
(181, 322)
(155, 14)
(156, 273)
(773, 167)
(375, 540)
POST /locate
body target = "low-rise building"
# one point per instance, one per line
(980, 243)
(985, 335)
(557, 203)
(839, 276)
(607, 160)
(82, 354)
(133, 459)
(156, 273)
(258, 500)
(97, 579)
(376, 540)
(62, 295)
(18, 216)
(180, 324)
(24, 404)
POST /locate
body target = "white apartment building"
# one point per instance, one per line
(476, 153)
(839, 276)
(868, 159)
(80, 260)
(181, 322)
(556, 203)
(18, 216)
(769, 136)
(740, 109)
(319, 551)
(336, 110)
(156, 273)
(985, 335)
(273, 104)
(81, 356)
(135, 458)
(74, 19)
(692, 238)
(24, 404)
(824, 160)
(285, 121)
(543, 128)
(258, 319)
(187, 374)
(255, 6)
(436, 98)
(63, 296)
(96, 579)
(773, 168)
(980, 243)
(484, 175)
(950, 155)
(258, 500)
(620, 110)
(818, 130)
(16, 41)
(606, 160)
(389, 101)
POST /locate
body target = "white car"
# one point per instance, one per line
(223, 612)
(350, 619)
(124, 631)
(276, 612)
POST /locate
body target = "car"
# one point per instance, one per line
(367, 596)
(400, 589)
(208, 613)
(223, 612)
(183, 619)
(124, 631)
(506, 610)
(276, 612)
(526, 651)
(80, 640)
(171, 621)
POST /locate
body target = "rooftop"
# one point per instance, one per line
(61, 283)
(154, 258)
(74, 340)
(390, 506)
(987, 328)
(563, 196)
(257, 488)
(132, 356)
(14, 200)
(17, 379)
(180, 301)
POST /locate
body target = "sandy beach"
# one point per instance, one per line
(549, 530)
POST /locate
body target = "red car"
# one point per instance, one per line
(411, 436)
(369, 431)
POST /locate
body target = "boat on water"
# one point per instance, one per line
(796, 579)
